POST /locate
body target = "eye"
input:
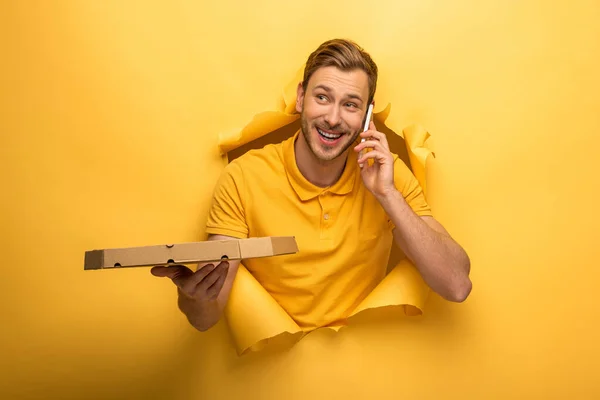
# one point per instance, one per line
(321, 97)
(351, 105)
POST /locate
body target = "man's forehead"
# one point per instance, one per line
(355, 80)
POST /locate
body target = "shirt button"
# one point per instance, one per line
(326, 216)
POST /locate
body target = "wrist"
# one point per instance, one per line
(389, 197)
(394, 205)
(202, 315)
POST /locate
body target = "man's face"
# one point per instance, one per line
(332, 110)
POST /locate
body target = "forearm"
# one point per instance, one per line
(202, 314)
(443, 264)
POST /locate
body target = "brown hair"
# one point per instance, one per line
(345, 55)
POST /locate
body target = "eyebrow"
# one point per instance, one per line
(328, 89)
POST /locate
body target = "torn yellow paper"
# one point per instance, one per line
(254, 317)
(416, 137)
(260, 125)
(403, 287)
(265, 122)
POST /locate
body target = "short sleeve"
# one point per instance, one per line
(227, 215)
(408, 185)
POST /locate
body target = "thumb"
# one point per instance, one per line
(372, 126)
(177, 273)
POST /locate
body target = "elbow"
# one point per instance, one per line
(460, 291)
(202, 326)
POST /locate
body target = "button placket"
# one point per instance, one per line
(325, 215)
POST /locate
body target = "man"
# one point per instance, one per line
(320, 187)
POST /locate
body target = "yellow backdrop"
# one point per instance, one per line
(110, 113)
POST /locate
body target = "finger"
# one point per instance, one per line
(211, 278)
(370, 144)
(375, 146)
(375, 155)
(202, 265)
(215, 289)
(177, 273)
(194, 280)
(373, 134)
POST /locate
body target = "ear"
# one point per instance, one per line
(299, 98)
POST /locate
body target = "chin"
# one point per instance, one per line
(328, 151)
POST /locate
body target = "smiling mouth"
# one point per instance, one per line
(329, 137)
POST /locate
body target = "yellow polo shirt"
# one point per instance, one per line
(344, 236)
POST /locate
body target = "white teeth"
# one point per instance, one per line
(328, 135)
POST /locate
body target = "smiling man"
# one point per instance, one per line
(345, 212)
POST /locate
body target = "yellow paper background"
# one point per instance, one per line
(509, 91)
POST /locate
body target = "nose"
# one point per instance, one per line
(333, 116)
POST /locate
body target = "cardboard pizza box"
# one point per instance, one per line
(188, 253)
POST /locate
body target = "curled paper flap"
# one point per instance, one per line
(416, 137)
(291, 91)
(260, 125)
(254, 317)
(403, 287)
(265, 122)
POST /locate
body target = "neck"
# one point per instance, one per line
(318, 172)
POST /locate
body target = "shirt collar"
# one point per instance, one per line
(305, 189)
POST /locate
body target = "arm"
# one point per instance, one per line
(443, 264)
(203, 294)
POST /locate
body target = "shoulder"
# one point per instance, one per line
(407, 183)
(402, 171)
(257, 162)
(404, 178)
